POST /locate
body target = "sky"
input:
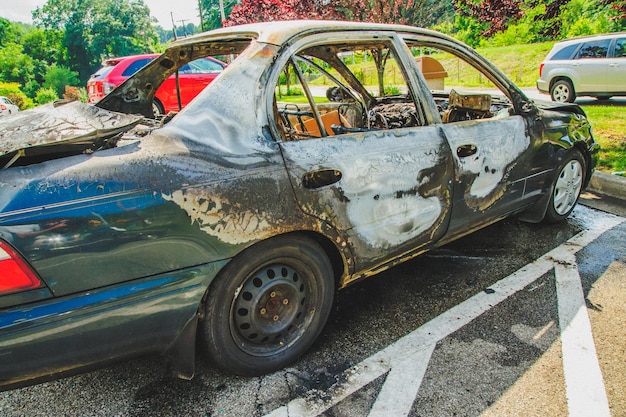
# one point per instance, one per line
(187, 10)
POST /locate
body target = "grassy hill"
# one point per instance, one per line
(519, 62)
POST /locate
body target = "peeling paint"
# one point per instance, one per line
(217, 216)
(384, 198)
(498, 144)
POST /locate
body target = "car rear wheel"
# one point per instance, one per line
(268, 305)
(563, 92)
(567, 188)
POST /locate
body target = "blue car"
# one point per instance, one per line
(324, 153)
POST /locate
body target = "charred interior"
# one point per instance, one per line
(341, 98)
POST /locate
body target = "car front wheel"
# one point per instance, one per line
(567, 188)
(563, 92)
(268, 305)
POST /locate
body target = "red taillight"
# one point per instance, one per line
(15, 274)
(540, 69)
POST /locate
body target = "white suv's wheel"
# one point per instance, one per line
(563, 92)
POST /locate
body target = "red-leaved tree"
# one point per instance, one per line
(250, 11)
(379, 11)
(619, 6)
(498, 14)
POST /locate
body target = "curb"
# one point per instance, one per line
(611, 185)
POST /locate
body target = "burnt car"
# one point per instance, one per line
(325, 153)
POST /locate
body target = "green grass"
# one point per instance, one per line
(520, 63)
(609, 129)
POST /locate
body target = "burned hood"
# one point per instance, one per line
(59, 129)
(556, 106)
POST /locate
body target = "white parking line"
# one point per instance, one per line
(584, 385)
(401, 385)
(417, 346)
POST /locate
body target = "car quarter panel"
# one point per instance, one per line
(196, 191)
(140, 316)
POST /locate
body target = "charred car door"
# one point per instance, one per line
(499, 169)
(359, 151)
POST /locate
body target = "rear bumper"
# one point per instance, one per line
(57, 337)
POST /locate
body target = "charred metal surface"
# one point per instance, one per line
(127, 221)
(386, 195)
(62, 129)
(485, 172)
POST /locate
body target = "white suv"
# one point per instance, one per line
(589, 66)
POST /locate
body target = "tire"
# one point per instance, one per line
(567, 188)
(157, 109)
(267, 306)
(562, 91)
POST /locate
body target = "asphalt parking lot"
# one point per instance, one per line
(517, 319)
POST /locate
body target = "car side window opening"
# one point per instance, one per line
(461, 91)
(330, 90)
(594, 49)
(336, 89)
(201, 66)
(565, 53)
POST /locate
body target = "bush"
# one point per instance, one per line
(76, 93)
(31, 88)
(46, 95)
(58, 77)
(13, 92)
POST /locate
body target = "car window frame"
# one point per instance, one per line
(392, 41)
(614, 47)
(606, 41)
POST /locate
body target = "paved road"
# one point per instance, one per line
(516, 319)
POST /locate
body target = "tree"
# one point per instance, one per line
(249, 11)
(15, 66)
(495, 15)
(619, 7)
(95, 29)
(211, 17)
(411, 12)
(46, 95)
(58, 77)
(9, 32)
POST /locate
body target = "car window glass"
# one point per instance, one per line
(594, 49)
(201, 66)
(565, 53)
(620, 45)
(337, 89)
(136, 66)
(102, 71)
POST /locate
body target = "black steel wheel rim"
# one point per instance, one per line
(270, 311)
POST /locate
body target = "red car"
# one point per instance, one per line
(193, 77)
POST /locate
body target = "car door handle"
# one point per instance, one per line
(318, 179)
(464, 151)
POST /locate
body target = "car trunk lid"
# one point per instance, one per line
(57, 130)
